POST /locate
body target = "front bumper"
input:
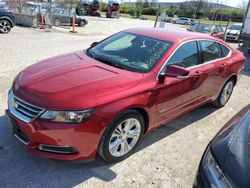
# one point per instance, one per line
(57, 140)
(232, 37)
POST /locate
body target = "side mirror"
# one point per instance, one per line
(214, 33)
(94, 44)
(175, 72)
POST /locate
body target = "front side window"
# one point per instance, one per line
(129, 51)
(210, 51)
(186, 55)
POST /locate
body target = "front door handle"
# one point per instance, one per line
(197, 73)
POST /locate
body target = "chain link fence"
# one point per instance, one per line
(36, 13)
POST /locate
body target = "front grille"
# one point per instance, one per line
(26, 109)
(23, 110)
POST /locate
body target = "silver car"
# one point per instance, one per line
(233, 32)
(183, 20)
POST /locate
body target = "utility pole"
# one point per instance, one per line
(197, 8)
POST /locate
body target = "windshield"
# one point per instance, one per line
(130, 51)
(235, 27)
(203, 28)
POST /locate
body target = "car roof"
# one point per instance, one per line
(175, 36)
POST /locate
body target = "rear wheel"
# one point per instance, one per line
(57, 22)
(225, 94)
(5, 26)
(82, 23)
(122, 136)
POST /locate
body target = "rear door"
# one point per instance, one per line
(214, 60)
(176, 95)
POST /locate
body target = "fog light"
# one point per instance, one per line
(57, 149)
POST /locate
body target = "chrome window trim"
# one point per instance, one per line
(196, 40)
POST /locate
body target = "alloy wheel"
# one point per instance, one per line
(226, 92)
(124, 137)
(5, 26)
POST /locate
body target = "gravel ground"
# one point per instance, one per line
(167, 157)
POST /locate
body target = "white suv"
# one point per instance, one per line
(182, 20)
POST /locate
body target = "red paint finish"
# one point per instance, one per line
(75, 82)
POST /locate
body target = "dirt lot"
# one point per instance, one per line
(167, 157)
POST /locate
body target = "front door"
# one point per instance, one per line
(177, 95)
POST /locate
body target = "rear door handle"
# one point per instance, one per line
(223, 66)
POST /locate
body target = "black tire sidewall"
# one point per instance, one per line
(106, 137)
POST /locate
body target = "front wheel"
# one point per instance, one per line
(5, 26)
(225, 94)
(57, 22)
(122, 136)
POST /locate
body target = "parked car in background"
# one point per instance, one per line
(213, 30)
(226, 162)
(184, 21)
(7, 20)
(104, 99)
(167, 19)
(65, 17)
(233, 32)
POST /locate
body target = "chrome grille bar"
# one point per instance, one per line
(23, 110)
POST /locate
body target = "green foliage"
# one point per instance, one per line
(132, 11)
(124, 8)
(103, 7)
(205, 11)
(149, 11)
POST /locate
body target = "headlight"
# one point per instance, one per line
(213, 172)
(68, 116)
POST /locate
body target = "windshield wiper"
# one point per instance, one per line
(109, 63)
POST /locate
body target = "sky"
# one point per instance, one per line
(233, 3)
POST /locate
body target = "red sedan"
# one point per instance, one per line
(104, 99)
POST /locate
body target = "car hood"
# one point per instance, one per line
(231, 149)
(71, 81)
(233, 32)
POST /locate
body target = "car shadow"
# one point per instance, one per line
(25, 170)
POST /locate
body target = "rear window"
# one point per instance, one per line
(210, 51)
(225, 50)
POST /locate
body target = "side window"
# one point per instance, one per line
(225, 50)
(210, 50)
(185, 56)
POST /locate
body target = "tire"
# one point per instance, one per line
(225, 94)
(125, 145)
(82, 23)
(174, 22)
(57, 22)
(5, 26)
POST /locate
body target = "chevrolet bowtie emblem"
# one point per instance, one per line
(14, 104)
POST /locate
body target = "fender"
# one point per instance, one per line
(8, 19)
